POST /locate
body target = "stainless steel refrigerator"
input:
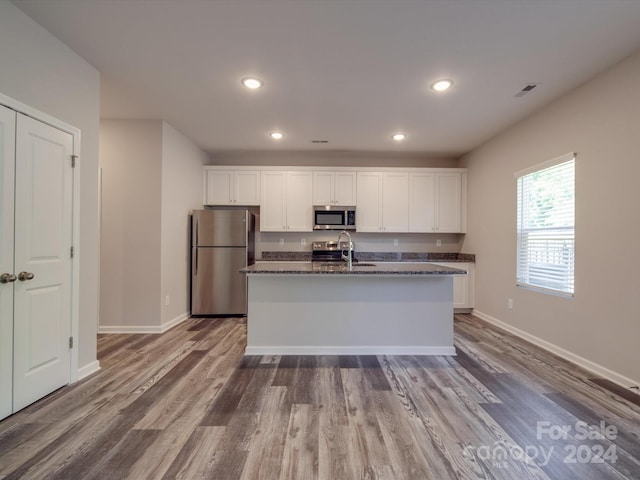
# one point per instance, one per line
(222, 242)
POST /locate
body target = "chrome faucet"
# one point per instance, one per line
(348, 257)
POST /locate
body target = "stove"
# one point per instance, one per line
(330, 251)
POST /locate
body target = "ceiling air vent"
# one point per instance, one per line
(526, 89)
(319, 141)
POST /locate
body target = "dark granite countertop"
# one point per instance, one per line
(383, 268)
(376, 257)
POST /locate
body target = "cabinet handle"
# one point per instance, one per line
(7, 278)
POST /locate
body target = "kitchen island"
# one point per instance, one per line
(309, 308)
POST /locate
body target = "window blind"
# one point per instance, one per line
(545, 224)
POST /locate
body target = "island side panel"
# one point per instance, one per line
(349, 314)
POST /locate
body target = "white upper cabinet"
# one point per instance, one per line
(448, 203)
(247, 187)
(369, 202)
(421, 200)
(299, 201)
(286, 204)
(437, 202)
(273, 207)
(334, 188)
(382, 202)
(395, 202)
(231, 187)
(422, 192)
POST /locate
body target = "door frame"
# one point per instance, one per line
(75, 220)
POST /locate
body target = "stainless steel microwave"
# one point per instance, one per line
(332, 217)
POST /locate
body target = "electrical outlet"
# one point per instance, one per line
(510, 304)
(166, 301)
(395, 242)
(438, 243)
(281, 242)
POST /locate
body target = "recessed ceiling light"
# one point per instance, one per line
(252, 82)
(442, 85)
(276, 135)
(398, 137)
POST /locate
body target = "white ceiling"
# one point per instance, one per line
(348, 71)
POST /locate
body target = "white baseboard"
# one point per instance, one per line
(88, 369)
(349, 350)
(174, 322)
(144, 328)
(592, 367)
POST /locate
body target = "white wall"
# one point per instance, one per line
(151, 180)
(600, 121)
(182, 175)
(43, 73)
(131, 163)
(331, 158)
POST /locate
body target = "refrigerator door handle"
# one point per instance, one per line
(195, 261)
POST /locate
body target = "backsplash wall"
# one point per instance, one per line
(364, 242)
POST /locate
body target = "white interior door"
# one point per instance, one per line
(7, 174)
(43, 234)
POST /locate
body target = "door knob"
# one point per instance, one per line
(7, 278)
(22, 276)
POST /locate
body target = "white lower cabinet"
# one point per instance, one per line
(286, 204)
(463, 285)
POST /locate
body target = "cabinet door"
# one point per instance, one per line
(219, 187)
(421, 202)
(299, 202)
(369, 202)
(247, 187)
(345, 188)
(7, 165)
(462, 284)
(395, 202)
(448, 202)
(323, 186)
(273, 201)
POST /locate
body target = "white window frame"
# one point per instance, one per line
(545, 259)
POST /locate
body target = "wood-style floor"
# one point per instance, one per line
(187, 404)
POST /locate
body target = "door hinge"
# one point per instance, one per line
(70, 342)
(73, 160)
(73, 251)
